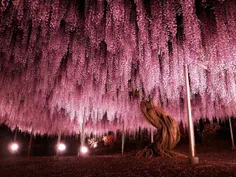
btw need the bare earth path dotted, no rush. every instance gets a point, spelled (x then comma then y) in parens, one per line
(213, 162)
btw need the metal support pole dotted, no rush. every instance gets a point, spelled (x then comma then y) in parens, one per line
(152, 135)
(30, 142)
(141, 134)
(123, 140)
(58, 142)
(82, 134)
(15, 134)
(95, 135)
(193, 159)
(135, 134)
(231, 133)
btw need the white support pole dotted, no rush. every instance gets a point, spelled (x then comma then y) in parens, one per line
(141, 134)
(58, 142)
(152, 135)
(15, 136)
(193, 159)
(83, 132)
(134, 134)
(231, 133)
(123, 140)
(30, 142)
(16, 129)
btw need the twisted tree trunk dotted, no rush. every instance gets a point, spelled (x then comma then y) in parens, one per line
(168, 131)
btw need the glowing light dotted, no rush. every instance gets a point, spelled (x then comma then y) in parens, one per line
(95, 145)
(14, 147)
(93, 142)
(84, 150)
(61, 147)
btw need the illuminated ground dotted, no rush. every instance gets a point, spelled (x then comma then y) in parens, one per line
(217, 160)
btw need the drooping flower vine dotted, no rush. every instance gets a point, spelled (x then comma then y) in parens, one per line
(61, 61)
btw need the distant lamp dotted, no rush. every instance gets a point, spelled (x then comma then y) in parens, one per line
(14, 147)
(84, 150)
(61, 147)
(95, 145)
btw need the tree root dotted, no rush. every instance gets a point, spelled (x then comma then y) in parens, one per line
(148, 153)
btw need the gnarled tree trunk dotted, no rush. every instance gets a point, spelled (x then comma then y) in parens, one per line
(168, 131)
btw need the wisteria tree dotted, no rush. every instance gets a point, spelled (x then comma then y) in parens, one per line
(65, 62)
(167, 128)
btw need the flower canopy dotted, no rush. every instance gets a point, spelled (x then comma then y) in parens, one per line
(65, 62)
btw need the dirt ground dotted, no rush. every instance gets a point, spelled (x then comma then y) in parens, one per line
(215, 160)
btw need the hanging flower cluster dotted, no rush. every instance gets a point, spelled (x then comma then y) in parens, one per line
(66, 62)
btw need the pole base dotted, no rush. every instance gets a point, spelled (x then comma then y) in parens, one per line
(194, 160)
(233, 147)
